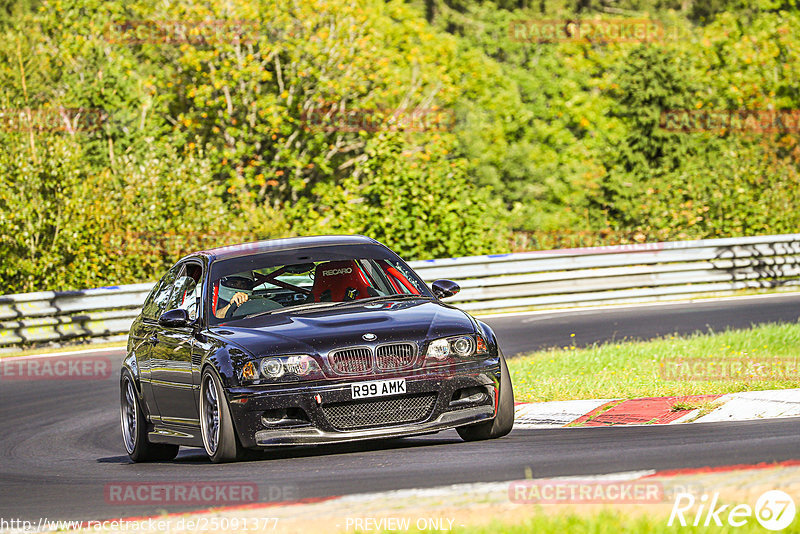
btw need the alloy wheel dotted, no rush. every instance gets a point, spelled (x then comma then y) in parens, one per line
(210, 415)
(128, 415)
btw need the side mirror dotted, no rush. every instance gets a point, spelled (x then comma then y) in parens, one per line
(445, 288)
(176, 317)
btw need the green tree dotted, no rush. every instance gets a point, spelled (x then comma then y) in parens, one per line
(418, 201)
(650, 83)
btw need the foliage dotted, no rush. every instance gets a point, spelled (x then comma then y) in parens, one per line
(168, 127)
(207, 139)
(38, 195)
(62, 225)
(650, 82)
(413, 201)
(675, 185)
(532, 137)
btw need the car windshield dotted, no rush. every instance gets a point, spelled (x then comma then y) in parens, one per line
(326, 278)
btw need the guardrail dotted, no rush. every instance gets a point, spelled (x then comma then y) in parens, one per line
(551, 278)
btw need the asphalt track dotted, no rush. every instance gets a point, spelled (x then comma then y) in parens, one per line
(61, 452)
(527, 332)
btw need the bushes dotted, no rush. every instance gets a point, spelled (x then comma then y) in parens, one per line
(64, 225)
(209, 141)
(418, 202)
(572, 142)
(40, 233)
(667, 185)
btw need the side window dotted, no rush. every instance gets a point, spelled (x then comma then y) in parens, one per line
(192, 301)
(157, 300)
(186, 290)
(400, 279)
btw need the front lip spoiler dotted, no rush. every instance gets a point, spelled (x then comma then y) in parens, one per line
(315, 436)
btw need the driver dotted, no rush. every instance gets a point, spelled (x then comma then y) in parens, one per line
(232, 290)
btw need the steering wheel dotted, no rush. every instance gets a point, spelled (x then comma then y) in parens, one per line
(232, 308)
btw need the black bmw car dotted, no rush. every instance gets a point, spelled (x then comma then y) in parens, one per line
(304, 341)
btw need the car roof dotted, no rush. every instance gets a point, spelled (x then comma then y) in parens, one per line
(275, 245)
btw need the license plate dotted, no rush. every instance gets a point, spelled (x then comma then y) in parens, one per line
(378, 388)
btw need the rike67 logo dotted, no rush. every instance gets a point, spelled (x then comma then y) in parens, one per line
(774, 510)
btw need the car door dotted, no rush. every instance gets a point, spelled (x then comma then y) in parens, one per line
(171, 356)
(144, 334)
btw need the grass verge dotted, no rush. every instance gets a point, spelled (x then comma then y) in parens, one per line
(606, 522)
(639, 369)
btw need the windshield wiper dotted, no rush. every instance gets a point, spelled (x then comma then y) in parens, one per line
(313, 305)
(292, 308)
(396, 296)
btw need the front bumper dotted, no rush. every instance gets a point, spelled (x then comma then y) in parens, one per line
(250, 404)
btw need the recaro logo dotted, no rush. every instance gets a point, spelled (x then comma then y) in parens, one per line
(334, 272)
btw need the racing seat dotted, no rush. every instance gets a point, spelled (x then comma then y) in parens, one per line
(338, 281)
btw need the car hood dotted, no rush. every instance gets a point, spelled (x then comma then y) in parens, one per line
(319, 331)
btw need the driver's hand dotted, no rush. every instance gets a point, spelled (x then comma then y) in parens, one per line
(239, 299)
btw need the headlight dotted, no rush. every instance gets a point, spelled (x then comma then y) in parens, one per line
(463, 346)
(300, 365)
(439, 349)
(282, 369)
(442, 349)
(271, 368)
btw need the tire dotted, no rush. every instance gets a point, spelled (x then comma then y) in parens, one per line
(134, 427)
(216, 424)
(503, 421)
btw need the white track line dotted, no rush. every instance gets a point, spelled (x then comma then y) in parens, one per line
(590, 309)
(486, 487)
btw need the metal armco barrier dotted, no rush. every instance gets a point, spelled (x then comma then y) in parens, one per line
(55, 316)
(552, 278)
(623, 273)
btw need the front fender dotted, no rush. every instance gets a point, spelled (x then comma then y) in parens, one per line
(131, 364)
(490, 337)
(227, 360)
